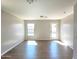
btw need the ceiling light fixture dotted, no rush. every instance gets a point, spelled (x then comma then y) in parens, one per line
(30, 1)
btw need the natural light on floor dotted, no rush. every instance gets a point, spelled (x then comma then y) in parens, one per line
(65, 44)
(53, 49)
(31, 43)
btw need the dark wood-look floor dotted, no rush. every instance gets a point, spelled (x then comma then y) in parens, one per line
(43, 50)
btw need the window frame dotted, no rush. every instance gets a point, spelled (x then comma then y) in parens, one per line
(30, 29)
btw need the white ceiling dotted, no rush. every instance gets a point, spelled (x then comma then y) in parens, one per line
(53, 9)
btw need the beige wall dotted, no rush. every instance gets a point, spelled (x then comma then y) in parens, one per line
(42, 29)
(12, 31)
(67, 30)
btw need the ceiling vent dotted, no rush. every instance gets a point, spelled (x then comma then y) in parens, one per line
(43, 16)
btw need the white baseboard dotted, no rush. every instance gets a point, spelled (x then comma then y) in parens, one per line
(17, 43)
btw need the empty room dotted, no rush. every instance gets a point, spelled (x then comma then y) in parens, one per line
(38, 29)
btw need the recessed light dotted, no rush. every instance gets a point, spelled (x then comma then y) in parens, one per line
(64, 12)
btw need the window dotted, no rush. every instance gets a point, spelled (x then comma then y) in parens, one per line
(54, 31)
(30, 28)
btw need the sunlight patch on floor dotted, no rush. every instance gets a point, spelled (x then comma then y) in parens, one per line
(31, 43)
(53, 49)
(61, 43)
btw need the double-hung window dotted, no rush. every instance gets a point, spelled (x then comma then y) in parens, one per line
(30, 29)
(54, 31)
